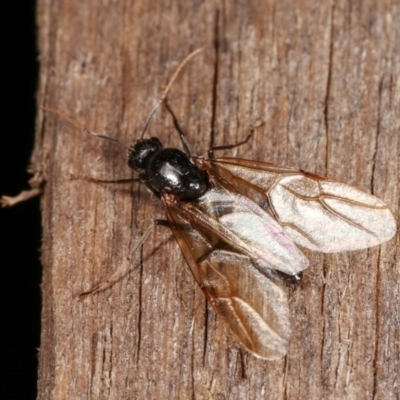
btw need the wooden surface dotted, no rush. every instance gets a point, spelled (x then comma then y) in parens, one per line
(323, 79)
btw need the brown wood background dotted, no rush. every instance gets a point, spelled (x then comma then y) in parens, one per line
(323, 77)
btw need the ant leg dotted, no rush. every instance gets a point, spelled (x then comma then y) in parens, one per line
(229, 146)
(185, 144)
(125, 268)
(94, 180)
(162, 222)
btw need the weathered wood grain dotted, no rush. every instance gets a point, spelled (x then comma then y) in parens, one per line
(323, 77)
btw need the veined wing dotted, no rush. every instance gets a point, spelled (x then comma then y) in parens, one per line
(252, 304)
(229, 220)
(315, 212)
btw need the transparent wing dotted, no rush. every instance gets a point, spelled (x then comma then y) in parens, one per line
(315, 212)
(253, 306)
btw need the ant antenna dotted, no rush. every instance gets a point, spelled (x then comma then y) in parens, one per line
(162, 98)
(168, 87)
(83, 128)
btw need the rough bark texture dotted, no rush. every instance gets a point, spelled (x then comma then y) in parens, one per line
(322, 76)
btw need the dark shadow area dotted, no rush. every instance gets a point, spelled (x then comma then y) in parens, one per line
(20, 227)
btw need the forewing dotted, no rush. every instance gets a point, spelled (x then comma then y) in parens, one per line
(230, 220)
(254, 307)
(315, 212)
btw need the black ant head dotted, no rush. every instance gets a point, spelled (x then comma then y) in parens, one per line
(142, 152)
